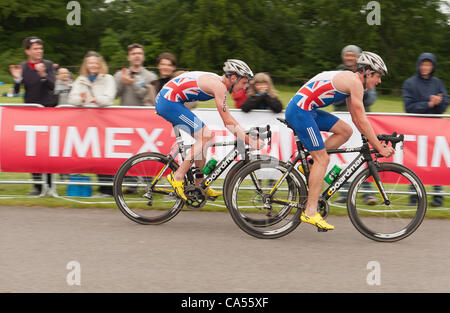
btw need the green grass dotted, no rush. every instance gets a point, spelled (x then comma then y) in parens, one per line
(20, 198)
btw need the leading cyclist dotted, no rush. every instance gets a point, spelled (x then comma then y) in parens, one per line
(303, 115)
(202, 86)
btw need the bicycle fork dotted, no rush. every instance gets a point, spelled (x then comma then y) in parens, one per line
(376, 178)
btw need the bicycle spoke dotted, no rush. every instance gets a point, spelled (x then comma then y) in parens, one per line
(264, 204)
(142, 191)
(393, 221)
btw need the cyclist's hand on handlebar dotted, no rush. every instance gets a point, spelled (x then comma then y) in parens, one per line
(386, 150)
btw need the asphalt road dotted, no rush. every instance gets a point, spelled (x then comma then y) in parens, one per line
(52, 249)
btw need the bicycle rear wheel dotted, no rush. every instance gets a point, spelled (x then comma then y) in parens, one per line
(381, 222)
(251, 208)
(142, 191)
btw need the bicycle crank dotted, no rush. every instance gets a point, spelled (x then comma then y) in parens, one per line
(196, 197)
(322, 207)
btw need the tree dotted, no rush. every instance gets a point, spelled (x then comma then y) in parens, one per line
(290, 39)
(112, 51)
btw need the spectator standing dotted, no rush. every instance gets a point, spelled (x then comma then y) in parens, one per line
(133, 82)
(38, 77)
(63, 85)
(95, 87)
(349, 55)
(261, 95)
(166, 63)
(36, 74)
(425, 94)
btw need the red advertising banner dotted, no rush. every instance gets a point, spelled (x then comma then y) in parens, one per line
(78, 140)
(426, 148)
(91, 140)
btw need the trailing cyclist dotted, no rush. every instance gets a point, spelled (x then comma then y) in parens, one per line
(202, 86)
(307, 120)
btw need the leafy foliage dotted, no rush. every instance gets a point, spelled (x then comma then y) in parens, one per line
(291, 39)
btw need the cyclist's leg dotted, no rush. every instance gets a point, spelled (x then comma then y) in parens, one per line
(315, 181)
(316, 175)
(331, 123)
(305, 126)
(195, 155)
(183, 118)
(341, 133)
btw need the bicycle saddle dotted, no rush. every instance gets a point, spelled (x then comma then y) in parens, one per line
(282, 120)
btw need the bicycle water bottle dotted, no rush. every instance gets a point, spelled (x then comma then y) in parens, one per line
(209, 166)
(333, 174)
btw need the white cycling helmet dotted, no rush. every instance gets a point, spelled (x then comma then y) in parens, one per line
(372, 60)
(238, 67)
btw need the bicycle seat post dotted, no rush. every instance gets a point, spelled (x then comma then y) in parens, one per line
(179, 141)
(364, 139)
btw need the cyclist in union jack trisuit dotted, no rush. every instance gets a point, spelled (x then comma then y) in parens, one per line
(201, 86)
(303, 115)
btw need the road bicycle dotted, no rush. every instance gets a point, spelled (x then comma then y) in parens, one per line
(391, 217)
(143, 194)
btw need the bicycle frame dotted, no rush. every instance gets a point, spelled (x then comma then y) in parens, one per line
(239, 149)
(365, 156)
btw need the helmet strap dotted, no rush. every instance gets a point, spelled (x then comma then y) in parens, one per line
(233, 84)
(364, 83)
(365, 75)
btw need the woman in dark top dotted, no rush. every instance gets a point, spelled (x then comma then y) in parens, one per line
(261, 95)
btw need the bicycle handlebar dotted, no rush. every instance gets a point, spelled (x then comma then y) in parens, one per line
(262, 132)
(394, 139)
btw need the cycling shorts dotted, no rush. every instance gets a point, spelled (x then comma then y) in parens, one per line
(308, 124)
(177, 114)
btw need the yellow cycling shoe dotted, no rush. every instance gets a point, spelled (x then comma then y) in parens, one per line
(213, 193)
(316, 220)
(178, 186)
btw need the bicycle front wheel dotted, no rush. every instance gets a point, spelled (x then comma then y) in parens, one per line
(387, 222)
(142, 191)
(251, 207)
(236, 167)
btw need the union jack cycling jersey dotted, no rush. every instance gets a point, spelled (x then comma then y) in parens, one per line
(318, 92)
(184, 88)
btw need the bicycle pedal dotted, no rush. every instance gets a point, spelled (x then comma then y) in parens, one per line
(211, 198)
(321, 230)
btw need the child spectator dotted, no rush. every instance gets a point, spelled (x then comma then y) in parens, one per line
(63, 85)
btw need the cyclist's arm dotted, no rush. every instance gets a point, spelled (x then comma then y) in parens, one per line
(358, 113)
(216, 88)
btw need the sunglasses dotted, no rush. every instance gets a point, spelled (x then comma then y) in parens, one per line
(32, 41)
(93, 54)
